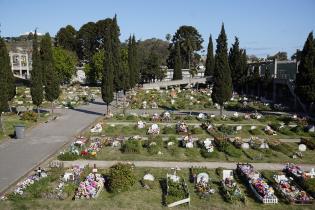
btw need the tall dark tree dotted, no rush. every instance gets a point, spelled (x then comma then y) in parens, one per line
(36, 76)
(130, 64)
(66, 38)
(135, 57)
(52, 83)
(243, 71)
(210, 59)
(107, 87)
(87, 42)
(222, 87)
(118, 73)
(305, 78)
(6, 80)
(235, 63)
(190, 42)
(177, 74)
(134, 72)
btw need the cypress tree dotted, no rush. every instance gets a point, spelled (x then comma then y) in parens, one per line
(132, 76)
(36, 76)
(210, 59)
(305, 78)
(135, 59)
(235, 63)
(52, 88)
(5, 80)
(243, 71)
(107, 88)
(177, 73)
(222, 87)
(118, 74)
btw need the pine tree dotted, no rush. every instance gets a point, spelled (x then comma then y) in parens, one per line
(5, 80)
(222, 88)
(107, 88)
(52, 84)
(177, 73)
(210, 59)
(36, 76)
(305, 78)
(118, 74)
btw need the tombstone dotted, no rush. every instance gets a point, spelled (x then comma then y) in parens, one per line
(238, 128)
(311, 129)
(245, 146)
(253, 127)
(203, 177)
(20, 109)
(148, 177)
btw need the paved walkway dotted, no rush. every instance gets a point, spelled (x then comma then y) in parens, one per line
(18, 157)
(166, 164)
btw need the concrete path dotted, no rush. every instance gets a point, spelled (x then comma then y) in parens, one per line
(166, 164)
(18, 157)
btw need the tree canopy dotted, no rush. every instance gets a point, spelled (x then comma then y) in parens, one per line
(210, 59)
(66, 38)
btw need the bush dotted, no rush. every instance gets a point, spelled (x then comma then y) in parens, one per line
(192, 152)
(67, 156)
(121, 177)
(29, 116)
(197, 130)
(236, 119)
(204, 153)
(228, 130)
(173, 150)
(297, 129)
(169, 130)
(233, 151)
(188, 117)
(131, 146)
(131, 117)
(154, 149)
(275, 126)
(255, 132)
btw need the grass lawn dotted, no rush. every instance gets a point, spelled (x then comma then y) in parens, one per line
(10, 120)
(139, 198)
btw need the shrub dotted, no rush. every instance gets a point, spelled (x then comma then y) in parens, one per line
(236, 119)
(188, 117)
(169, 130)
(29, 116)
(233, 151)
(297, 129)
(131, 146)
(67, 156)
(173, 150)
(192, 152)
(275, 126)
(197, 130)
(204, 153)
(255, 132)
(226, 129)
(131, 117)
(121, 177)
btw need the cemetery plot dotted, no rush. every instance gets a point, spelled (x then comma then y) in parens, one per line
(140, 187)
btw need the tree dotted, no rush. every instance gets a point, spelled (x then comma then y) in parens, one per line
(222, 87)
(305, 78)
(243, 71)
(52, 84)
(107, 88)
(65, 62)
(178, 64)
(6, 80)
(87, 42)
(210, 59)
(125, 68)
(66, 38)
(133, 61)
(36, 76)
(94, 69)
(297, 55)
(235, 63)
(189, 40)
(118, 73)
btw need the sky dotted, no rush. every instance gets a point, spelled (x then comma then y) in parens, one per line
(262, 26)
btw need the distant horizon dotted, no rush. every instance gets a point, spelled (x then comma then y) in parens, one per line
(263, 27)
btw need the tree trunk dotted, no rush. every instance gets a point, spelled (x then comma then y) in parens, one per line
(52, 110)
(106, 108)
(1, 124)
(38, 112)
(10, 107)
(117, 98)
(221, 110)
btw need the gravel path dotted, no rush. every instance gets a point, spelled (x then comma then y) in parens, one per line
(166, 164)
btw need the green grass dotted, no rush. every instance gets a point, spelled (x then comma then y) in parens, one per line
(10, 120)
(139, 198)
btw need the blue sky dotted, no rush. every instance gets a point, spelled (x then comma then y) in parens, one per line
(263, 26)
